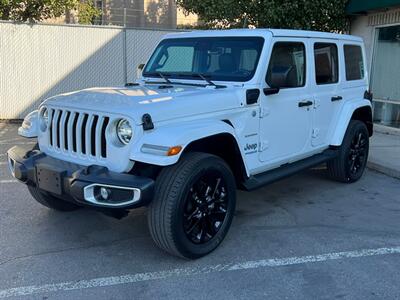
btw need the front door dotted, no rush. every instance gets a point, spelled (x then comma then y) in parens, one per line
(286, 117)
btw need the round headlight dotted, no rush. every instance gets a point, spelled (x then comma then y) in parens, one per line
(124, 131)
(44, 118)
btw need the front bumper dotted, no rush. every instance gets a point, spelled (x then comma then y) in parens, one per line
(79, 184)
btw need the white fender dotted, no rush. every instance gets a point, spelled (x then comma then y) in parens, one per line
(181, 134)
(344, 119)
(30, 126)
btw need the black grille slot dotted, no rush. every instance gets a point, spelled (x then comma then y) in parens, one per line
(51, 115)
(103, 137)
(58, 129)
(93, 136)
(66, 130)
(83, 133)
(76, 115)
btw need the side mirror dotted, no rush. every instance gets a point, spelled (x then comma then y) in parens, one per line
(139, 70)
(271, 91)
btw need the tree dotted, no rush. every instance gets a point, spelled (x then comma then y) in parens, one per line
(87, 12)
(39, 10)
(325, 15)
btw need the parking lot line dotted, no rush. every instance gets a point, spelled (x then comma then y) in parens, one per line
(8, 181)
(176, 273)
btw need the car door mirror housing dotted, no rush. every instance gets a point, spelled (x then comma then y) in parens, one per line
(271, 91)
(139, 70)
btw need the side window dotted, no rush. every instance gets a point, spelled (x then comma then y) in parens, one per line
(326, 63)
(287, 66)
(354, 62)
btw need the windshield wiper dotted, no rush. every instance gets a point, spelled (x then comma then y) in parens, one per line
(183, 75)
(204, 77)
(161, 75)
(164, 77)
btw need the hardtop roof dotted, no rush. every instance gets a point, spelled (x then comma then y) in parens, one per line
(264, 32)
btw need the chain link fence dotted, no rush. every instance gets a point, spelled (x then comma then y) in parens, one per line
(39, 61)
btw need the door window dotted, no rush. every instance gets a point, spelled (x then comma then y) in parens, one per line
(354, 62)
(287, 66)
(326, 63)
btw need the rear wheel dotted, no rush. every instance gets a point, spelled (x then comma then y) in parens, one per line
(193, 205)
(353, 154)
(50, 201)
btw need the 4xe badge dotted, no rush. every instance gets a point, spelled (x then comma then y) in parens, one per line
(250, 148)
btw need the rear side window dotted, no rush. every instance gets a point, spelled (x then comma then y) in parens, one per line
(287, 66)
(326, 63)
(354, 62)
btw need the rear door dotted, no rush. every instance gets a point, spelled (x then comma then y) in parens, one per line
(327, 90)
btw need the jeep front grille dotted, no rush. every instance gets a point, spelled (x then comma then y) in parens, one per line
(77, 132)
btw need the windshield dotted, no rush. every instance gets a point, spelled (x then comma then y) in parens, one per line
(217, 58)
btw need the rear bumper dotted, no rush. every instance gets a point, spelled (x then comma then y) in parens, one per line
(79, 184)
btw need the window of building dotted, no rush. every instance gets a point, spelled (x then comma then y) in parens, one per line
(287, 66)
(385, 76)
(354, 62)
(326, 63)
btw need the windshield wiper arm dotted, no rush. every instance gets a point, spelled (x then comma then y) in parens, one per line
(202, 76)
(206, 79)
(164, 77)
(161, 75)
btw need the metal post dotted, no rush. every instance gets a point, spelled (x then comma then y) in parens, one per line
(102, 12)
(124, 52)
(125, 17)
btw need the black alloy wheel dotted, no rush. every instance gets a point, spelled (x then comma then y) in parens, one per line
(205, 208)
(193, 205)
(358, 153)
(352, 158)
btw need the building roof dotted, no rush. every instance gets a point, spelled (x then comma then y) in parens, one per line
(264, 33)
(360, 6)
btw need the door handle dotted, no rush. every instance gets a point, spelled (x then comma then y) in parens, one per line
(305, 103)
(336, 98)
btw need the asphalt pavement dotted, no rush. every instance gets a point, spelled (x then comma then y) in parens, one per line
(305, 237)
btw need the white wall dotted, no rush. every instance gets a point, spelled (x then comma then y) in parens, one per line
(365, 27)
(359, 27)
(39, 61)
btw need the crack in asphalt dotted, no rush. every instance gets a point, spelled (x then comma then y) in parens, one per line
(105, 244)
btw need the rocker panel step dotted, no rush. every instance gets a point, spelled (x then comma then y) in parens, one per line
(262, 179)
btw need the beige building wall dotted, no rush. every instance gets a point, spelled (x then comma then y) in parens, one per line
(145, 13)
(162, 14)
(186, 20)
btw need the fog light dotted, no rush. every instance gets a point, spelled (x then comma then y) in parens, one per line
(105, 193)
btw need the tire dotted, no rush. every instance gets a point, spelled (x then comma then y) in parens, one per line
(193, 205)
(51, 202)
(350, 164)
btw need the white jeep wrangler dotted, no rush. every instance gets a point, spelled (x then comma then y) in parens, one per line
(213, 111)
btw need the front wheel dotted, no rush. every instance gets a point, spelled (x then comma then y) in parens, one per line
(193, 205)
(353, 154)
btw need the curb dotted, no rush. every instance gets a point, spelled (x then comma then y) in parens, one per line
(386, 129)
(383, 169)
